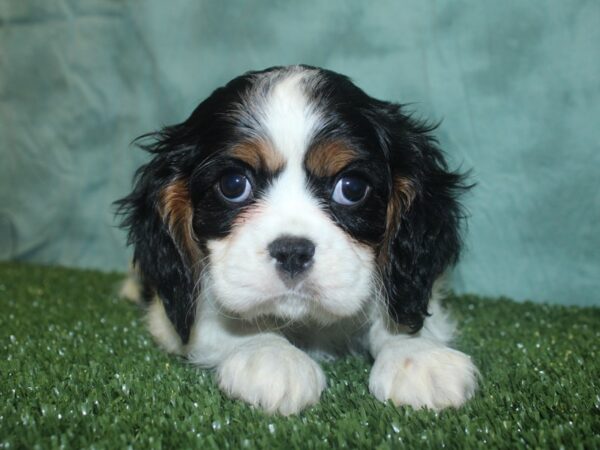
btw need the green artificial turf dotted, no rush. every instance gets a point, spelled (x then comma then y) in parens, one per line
(78, 369)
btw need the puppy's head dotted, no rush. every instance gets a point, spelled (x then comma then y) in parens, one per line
(291, 193)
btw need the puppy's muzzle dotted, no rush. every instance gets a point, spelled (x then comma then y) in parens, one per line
(293, 255)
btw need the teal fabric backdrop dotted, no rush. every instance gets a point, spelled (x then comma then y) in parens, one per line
(515, 83)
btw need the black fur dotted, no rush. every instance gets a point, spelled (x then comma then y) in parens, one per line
(162, 265)
(427, 239)
(389, 143)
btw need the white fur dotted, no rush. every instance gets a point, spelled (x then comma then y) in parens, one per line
(423, 374)
(250, 324)
(253, 361)
(130, 289)
(289, 119)
(270, 373)
(420, 370)
(162, 329)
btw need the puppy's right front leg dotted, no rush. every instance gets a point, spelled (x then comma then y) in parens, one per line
(261, 368)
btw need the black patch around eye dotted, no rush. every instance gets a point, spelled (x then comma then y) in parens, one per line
(366, 220)
(213, 186)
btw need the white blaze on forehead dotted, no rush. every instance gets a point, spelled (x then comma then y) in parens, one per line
(290, 121)
(288, 116)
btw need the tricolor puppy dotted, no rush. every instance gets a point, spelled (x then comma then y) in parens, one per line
(292, 217)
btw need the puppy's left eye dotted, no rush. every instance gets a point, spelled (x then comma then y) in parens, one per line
(350, 190)
(235, 187)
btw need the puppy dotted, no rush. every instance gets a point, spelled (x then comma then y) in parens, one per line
(292, 217)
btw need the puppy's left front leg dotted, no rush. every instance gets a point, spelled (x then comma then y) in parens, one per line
(263, 369)
(419, 370)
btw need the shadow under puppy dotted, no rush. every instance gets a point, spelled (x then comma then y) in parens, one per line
(293, 217)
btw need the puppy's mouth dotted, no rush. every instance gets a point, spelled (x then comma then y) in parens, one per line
(302, 290)
(297, 284)
(293, 302)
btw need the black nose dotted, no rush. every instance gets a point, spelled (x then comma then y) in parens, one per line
(293, 254)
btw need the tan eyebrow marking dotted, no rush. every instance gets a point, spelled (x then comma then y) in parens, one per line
(259, 155)
(329, 158)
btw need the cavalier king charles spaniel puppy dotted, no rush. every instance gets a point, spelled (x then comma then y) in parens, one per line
(292, 218)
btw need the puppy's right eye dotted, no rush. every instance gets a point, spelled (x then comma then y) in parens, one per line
(235, 187)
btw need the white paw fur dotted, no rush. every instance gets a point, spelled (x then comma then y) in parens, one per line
(423, 374)
(273, 375)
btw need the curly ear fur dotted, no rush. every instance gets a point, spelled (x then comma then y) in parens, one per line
(158, 214)
(422, 237)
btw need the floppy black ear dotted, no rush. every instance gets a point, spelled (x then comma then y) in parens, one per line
(423, 236)
(158, 215)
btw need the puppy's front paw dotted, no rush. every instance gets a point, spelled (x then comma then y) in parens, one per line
(275, 376)
(423, 375)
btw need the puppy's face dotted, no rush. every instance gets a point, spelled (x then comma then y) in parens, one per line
(291, 193)
(290, 213)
